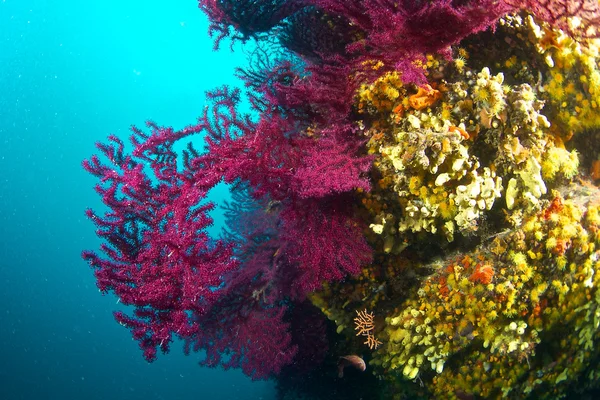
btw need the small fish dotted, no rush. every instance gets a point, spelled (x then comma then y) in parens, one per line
(354, 361)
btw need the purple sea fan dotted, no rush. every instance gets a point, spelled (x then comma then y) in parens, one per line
(243, 333)
(331, 165)
(248, 18)
(313, 34)
(396, 31)
(322, 242)
(158, 257)
(558, 13)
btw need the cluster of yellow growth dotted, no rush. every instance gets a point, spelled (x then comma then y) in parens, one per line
(494, 307)
(489, 94)
(557, 161)
(321, 300)
(383, 95)
(452, 309)
(367, 290)
(427, 168)
(425, 160)
(438, 184)
(519, 315)
(573, 84)
(514, 125)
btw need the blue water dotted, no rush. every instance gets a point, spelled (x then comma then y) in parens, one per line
(72, 72)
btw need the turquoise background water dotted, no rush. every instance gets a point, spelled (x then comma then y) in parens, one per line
(72, 72)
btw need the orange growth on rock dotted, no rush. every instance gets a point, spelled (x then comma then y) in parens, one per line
(555, 207)
(562, 245)
(399, 110)
(595, 170)
(462, 132)
(483, 274)
(425, 97)
(443, 287)
(398, 113)
(539, 308)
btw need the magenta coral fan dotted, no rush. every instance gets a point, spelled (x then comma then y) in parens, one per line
(558, 12)
(159, 259)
